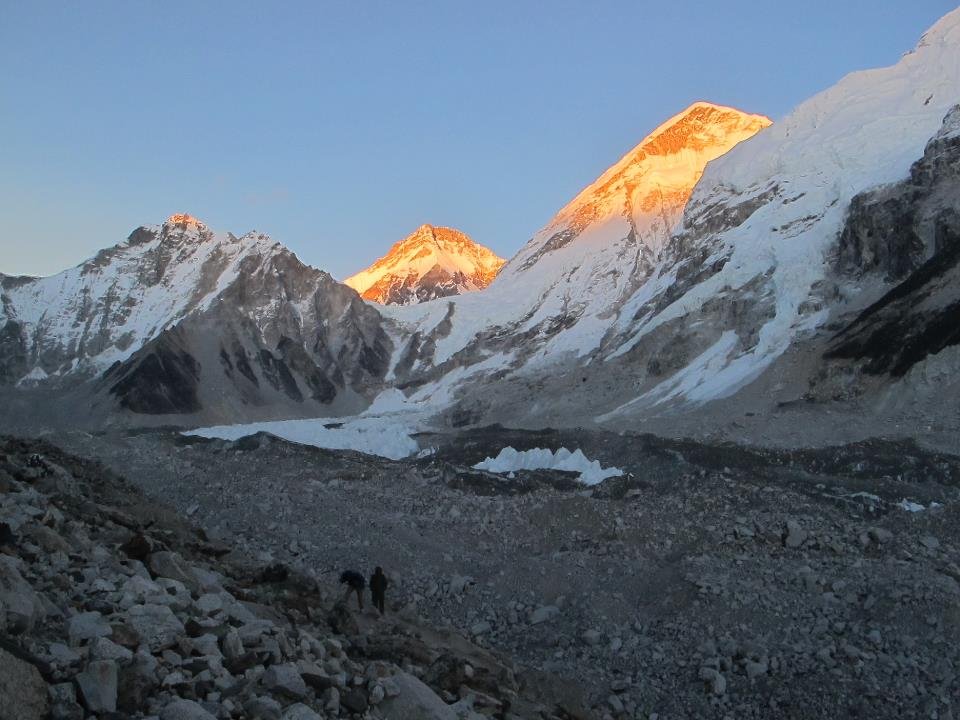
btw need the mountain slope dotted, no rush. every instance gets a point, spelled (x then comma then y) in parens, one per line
(429, 263)
(752, 269)
(626, 327)
(558, 293)
(181, 320)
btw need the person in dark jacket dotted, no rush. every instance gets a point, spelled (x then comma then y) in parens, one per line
(378, 589)
(355, 583)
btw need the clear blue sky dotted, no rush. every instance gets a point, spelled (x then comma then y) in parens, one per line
(338, 127)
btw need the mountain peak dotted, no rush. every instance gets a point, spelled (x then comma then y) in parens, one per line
(652, 182)
(185, 220)
(433, 261)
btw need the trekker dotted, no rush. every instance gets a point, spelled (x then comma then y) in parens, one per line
(378, 588)
(355, 583)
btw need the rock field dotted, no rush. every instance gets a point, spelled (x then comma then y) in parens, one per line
(710, 581)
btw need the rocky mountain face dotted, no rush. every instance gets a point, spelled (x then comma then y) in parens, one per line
(908, 235)
(181, 320)
(432, 262)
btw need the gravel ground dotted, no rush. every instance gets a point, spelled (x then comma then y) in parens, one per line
(711, 580)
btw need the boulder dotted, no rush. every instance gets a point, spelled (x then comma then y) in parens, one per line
(407, 698)
(158, 627)
(138, 547)
(181, 709)
(880, 535)
(793, 535)
(98, 686)
(137, 681)
(354, 701)
(715, 681)
(87, 626)
(341, 620)
(104, 649)
(285, 680)
(20, 603)
(313, 676)
(591, 637)
(209, 604)
(480, 628)
(166, 564)
(544, 614)
(262, 708)
(300, 712)
(459, 584)
(23, 693)
(63, 702)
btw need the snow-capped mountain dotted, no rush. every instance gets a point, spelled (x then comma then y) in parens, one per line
(753, 268)
(558, 294)
(720, 262)
(180, 319)
(615, 315)
(431, 262)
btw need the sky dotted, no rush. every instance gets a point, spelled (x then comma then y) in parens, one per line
(339, 127)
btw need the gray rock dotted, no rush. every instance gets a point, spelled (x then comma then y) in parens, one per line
(331, 703)
(716, 682)
(313, 676)
(756, 669)
(21, 689)
(62, 655)
(185, 710)
(591, 637)
(880, 535)
(615, 703)
(285, 680)
(544, 614)
(232, 645)
(20, 603)
(158, 627)
(98, 686)
(137, 681)
(62, 692)
(263, 708)
(480, 628)
(794, 536)
(209, 604)
(459, 584)
(929, 542)
(166, 564)
(87, 626)
(104, 649)
(300, 712)
(407, 698)
(354, 701)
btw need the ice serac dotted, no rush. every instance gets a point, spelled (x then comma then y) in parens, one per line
(431, 262)
(181, 320)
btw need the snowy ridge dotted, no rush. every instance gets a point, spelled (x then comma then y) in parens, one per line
(561, 288)
(429, 263)
(864, 132)
(105, 309)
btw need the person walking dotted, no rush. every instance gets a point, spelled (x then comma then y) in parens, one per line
(355, 583)
(378, 589)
